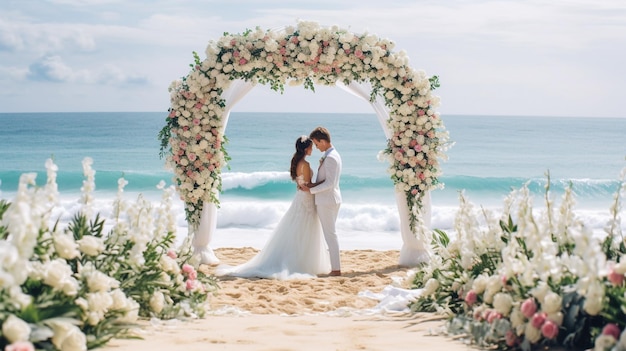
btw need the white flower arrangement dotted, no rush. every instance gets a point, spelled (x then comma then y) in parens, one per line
(541, 280)
(193, 138)
(75, 288)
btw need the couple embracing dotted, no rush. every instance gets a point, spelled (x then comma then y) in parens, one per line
(304, 243)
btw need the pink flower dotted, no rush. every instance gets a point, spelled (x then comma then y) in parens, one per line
(188, 268)
(538, 319)
(414, 192)
(196, 121)
(192, 157)
(171, 254)
(471, 297)
(191, 284)
(549, 329)
(182, 145)
(615, 278)
(236, 53)
(20, 346)
(172, 114)
(420, 112)
(422, 176)
(242, 61)
(529, 307)
(612, 330)
(493, 316)
(510, 338)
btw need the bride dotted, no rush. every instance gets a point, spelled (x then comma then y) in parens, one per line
(296, 248)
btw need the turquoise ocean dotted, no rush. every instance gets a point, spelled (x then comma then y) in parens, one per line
(491, 156)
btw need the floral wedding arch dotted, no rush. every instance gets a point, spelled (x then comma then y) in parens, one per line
(194, 135)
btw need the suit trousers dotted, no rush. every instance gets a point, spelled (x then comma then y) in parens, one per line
(328, 217)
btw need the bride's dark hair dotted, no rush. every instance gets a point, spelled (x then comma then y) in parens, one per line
(302, 143)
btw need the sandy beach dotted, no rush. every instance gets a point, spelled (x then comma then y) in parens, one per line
(324, 313)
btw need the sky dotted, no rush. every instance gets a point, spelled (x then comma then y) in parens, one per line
(500, 57)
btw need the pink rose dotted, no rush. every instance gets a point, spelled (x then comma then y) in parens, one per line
(172, 254)
(538, 319)
(612, 330)
(549, 329)
(615, 278)
(188, 268)
(420, 112)
(195, 120)
(242, 61)
(529, 307)
(236, 53)
(493, 316)
(471, 297)
(20, 346)
(172, 114)
(191, 284)
(414, 192)
(182, 145)
(510, 338)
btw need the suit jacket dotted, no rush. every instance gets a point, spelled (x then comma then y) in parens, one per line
(329, 171)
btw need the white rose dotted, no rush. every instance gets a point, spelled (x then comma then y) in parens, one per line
(479, 284)
(494, 284)
(91, 245)
(503, 302)
(552, 303)
(157, 301)
(593, 305)
(431, 286)
(532, 334)
(15, 329)
(556, 317)
(517, 318)
(604, 342)
(540, 291)
(622, 341)
(67, 337)
(65, 246)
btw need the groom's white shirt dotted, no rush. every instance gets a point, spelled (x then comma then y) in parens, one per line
(329, 171)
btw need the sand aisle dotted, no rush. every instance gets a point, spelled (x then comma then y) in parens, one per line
(325, 313)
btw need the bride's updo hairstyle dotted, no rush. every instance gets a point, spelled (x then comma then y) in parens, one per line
(302, 143)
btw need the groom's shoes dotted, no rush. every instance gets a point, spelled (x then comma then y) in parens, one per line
(334, 273)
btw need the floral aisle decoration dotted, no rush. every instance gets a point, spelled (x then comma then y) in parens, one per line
(528, 278)
(193, 140)
(75, 287)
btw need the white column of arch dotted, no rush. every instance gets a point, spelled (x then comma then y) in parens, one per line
(203, 233)
(415, 249)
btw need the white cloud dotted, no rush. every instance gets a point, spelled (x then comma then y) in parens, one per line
(54, 69)
(490, 54)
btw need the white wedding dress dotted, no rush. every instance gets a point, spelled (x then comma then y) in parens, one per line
(295, 250)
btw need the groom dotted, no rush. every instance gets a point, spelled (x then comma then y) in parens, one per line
(327, 193)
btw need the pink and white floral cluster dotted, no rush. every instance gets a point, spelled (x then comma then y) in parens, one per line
(306, 54)
(529, 277)
(74, 287)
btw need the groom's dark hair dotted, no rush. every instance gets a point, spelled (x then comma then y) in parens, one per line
(320, 133)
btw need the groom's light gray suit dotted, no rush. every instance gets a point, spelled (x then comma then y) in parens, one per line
(328, 200)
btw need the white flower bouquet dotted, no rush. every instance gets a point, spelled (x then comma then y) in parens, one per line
(530, 278)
